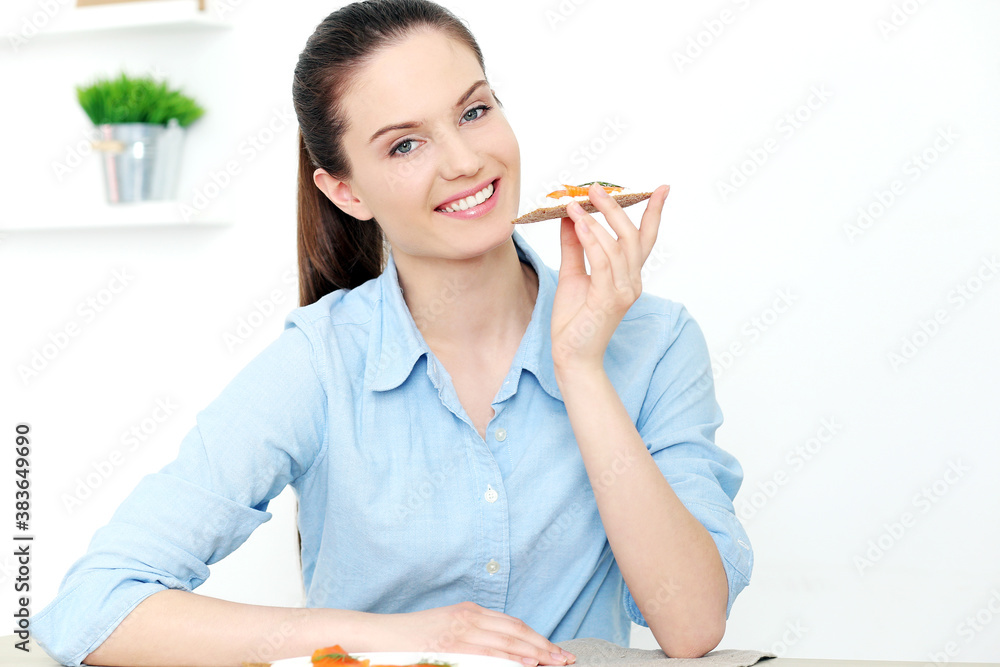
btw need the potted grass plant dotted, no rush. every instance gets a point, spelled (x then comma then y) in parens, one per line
(141, 124)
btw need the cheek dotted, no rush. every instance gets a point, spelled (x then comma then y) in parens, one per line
(512, 149)
(405, 176)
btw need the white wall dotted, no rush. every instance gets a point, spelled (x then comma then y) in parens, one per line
(854, 298)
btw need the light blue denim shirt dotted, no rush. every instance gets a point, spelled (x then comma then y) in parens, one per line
(402, 505)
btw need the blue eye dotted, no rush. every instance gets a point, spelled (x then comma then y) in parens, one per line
(402, 143)
(396, 150)
(483, 107)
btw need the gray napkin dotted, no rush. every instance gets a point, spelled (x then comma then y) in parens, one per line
(593, 652)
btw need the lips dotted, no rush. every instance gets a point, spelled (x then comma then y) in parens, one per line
(465, 193)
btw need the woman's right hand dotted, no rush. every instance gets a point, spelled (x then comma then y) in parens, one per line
(467, 627)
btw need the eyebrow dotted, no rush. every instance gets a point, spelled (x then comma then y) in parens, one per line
(413, 124)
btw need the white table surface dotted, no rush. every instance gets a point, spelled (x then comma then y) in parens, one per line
(36, 657)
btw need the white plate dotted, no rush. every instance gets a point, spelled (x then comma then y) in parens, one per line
(410, 657)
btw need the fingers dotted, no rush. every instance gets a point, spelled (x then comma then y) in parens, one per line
(513, 638)
(625, 255)
(649, 225)
(610, 270)
(477, 649)
(571, 262)
(624, 228)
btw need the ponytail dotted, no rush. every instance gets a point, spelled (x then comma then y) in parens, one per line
(335, 250)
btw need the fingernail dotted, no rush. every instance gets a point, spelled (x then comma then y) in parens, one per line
(558, 657)
(601, 192)
(530, 662)
(572, 658)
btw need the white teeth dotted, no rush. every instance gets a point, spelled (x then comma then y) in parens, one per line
(471, 200)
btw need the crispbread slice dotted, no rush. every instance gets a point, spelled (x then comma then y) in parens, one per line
(550, 212)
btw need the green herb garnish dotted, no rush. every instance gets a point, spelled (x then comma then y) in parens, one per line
(335, 656)
(609, 185)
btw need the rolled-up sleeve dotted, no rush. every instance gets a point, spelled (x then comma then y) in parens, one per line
(677, 422)
(263, 431)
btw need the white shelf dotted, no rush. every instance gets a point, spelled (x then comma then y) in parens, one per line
(138, 215)
(132, 15)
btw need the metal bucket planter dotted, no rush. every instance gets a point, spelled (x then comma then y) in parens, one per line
(141, 160)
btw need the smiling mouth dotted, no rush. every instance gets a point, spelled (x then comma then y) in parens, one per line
(470, 201)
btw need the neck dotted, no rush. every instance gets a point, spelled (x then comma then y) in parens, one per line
(483, 303)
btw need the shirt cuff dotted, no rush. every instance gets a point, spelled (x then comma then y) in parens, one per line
(164, 535)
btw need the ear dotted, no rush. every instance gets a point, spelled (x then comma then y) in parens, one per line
(340, 193)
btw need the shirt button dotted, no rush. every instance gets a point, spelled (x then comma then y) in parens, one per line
(492, 567)
(491, 495)
(501, 434)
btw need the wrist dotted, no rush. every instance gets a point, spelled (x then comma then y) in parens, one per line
(571, 373)
(355, 631)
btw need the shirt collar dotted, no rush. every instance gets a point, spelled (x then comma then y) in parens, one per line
(396, 343)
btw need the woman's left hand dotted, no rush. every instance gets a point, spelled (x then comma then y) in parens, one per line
(587, 309)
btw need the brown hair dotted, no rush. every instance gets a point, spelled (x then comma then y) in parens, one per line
(336, 250)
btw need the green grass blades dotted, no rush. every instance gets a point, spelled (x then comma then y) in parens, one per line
(128, 99)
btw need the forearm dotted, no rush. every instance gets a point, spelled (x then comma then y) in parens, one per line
(175, 627)
(667, 558)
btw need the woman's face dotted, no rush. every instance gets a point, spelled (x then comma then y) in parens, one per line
(453, 145)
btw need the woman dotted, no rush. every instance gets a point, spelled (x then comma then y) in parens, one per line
(488, 457)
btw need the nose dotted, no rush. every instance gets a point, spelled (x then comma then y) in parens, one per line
(460, 157)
